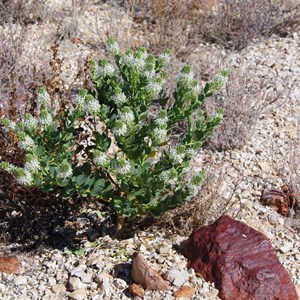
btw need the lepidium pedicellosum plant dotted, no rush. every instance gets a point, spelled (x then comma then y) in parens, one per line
(126, 158)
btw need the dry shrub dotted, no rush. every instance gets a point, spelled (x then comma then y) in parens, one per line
(204, 209)
(244, 99)
(236, 23)
(181, 25)
(22, 11)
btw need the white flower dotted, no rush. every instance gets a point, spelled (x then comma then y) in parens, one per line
(43, 98)
(149, 74)
(159, 134)
(7, 166)
(175, 156)
(26, 143)
(126, 115)
(161, 118)
(134, 62)
(186, 78)
(119, 99)
(8, 124)
(194, 189)
(45, 118)
(24, 177)
(191, 152)
(99, 158)
(120, 128)
(79, 101)
(92, 107)
(154, 88)
(31, 122)
(113, 47)
(32, 164)
(123, 167)
(169, 177)
(165, 57)
(106, 70)
(64, 170)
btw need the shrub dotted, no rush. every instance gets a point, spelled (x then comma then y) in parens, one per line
(113, 141)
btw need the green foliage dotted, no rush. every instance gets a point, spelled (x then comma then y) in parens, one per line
(114, 142)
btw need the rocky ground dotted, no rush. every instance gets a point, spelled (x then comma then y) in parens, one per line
(101, 269)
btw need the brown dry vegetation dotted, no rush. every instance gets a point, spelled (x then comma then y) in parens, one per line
(233, 25)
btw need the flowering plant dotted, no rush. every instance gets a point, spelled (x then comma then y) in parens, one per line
(114, 142)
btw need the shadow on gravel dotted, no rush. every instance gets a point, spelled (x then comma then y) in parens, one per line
(30, 219)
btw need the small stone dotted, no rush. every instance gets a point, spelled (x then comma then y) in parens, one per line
(213, 293)
(76, 284)
(178, 278)
(136, 290)
(78, 294)
(273, 218)
(120, 284)
(287, 247)
(184, 292)
(9, 265)
(78, 271)
(58, 288)
(87, 277)
(20, 280)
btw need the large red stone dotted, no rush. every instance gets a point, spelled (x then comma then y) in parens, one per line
(240, 261)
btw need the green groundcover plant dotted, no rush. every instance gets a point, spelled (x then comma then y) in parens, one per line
(113, 141)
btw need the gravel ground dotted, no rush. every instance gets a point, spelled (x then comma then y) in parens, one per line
(101, 271)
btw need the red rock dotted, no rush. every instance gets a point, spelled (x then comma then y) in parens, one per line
(146, 276)
(136, 290)
(184, 292)
(240, 261)
(279, 200)
(9, 265)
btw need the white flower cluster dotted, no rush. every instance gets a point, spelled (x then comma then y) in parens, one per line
(176, 155)
(8, 167)
(79, 101)
(106, 70)
(170, 177)
(64, 171)
(92, 107)
(120, 128)
(32, 164)
(113, 47)
(159, 134)
(123, 166)
(154, 88)
(119, 98)
(161, 118)
(165, 57)
(186, 78)
(43, 98)
(26, 142)
(126, 115)
(24, 177)
(99, 158)
(31, 123)
(8, 125)
(45, 118)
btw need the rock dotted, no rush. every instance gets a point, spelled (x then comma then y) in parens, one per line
(9, 265)
(184, 292)
(136, 290)
(76, 284)
(20, 280)
(279, 200)
(146, 276)
(58, 288)
(240, 261)
(273, 218)
(87, 277)
(178, 278)
(120, 283)
(78, 294)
